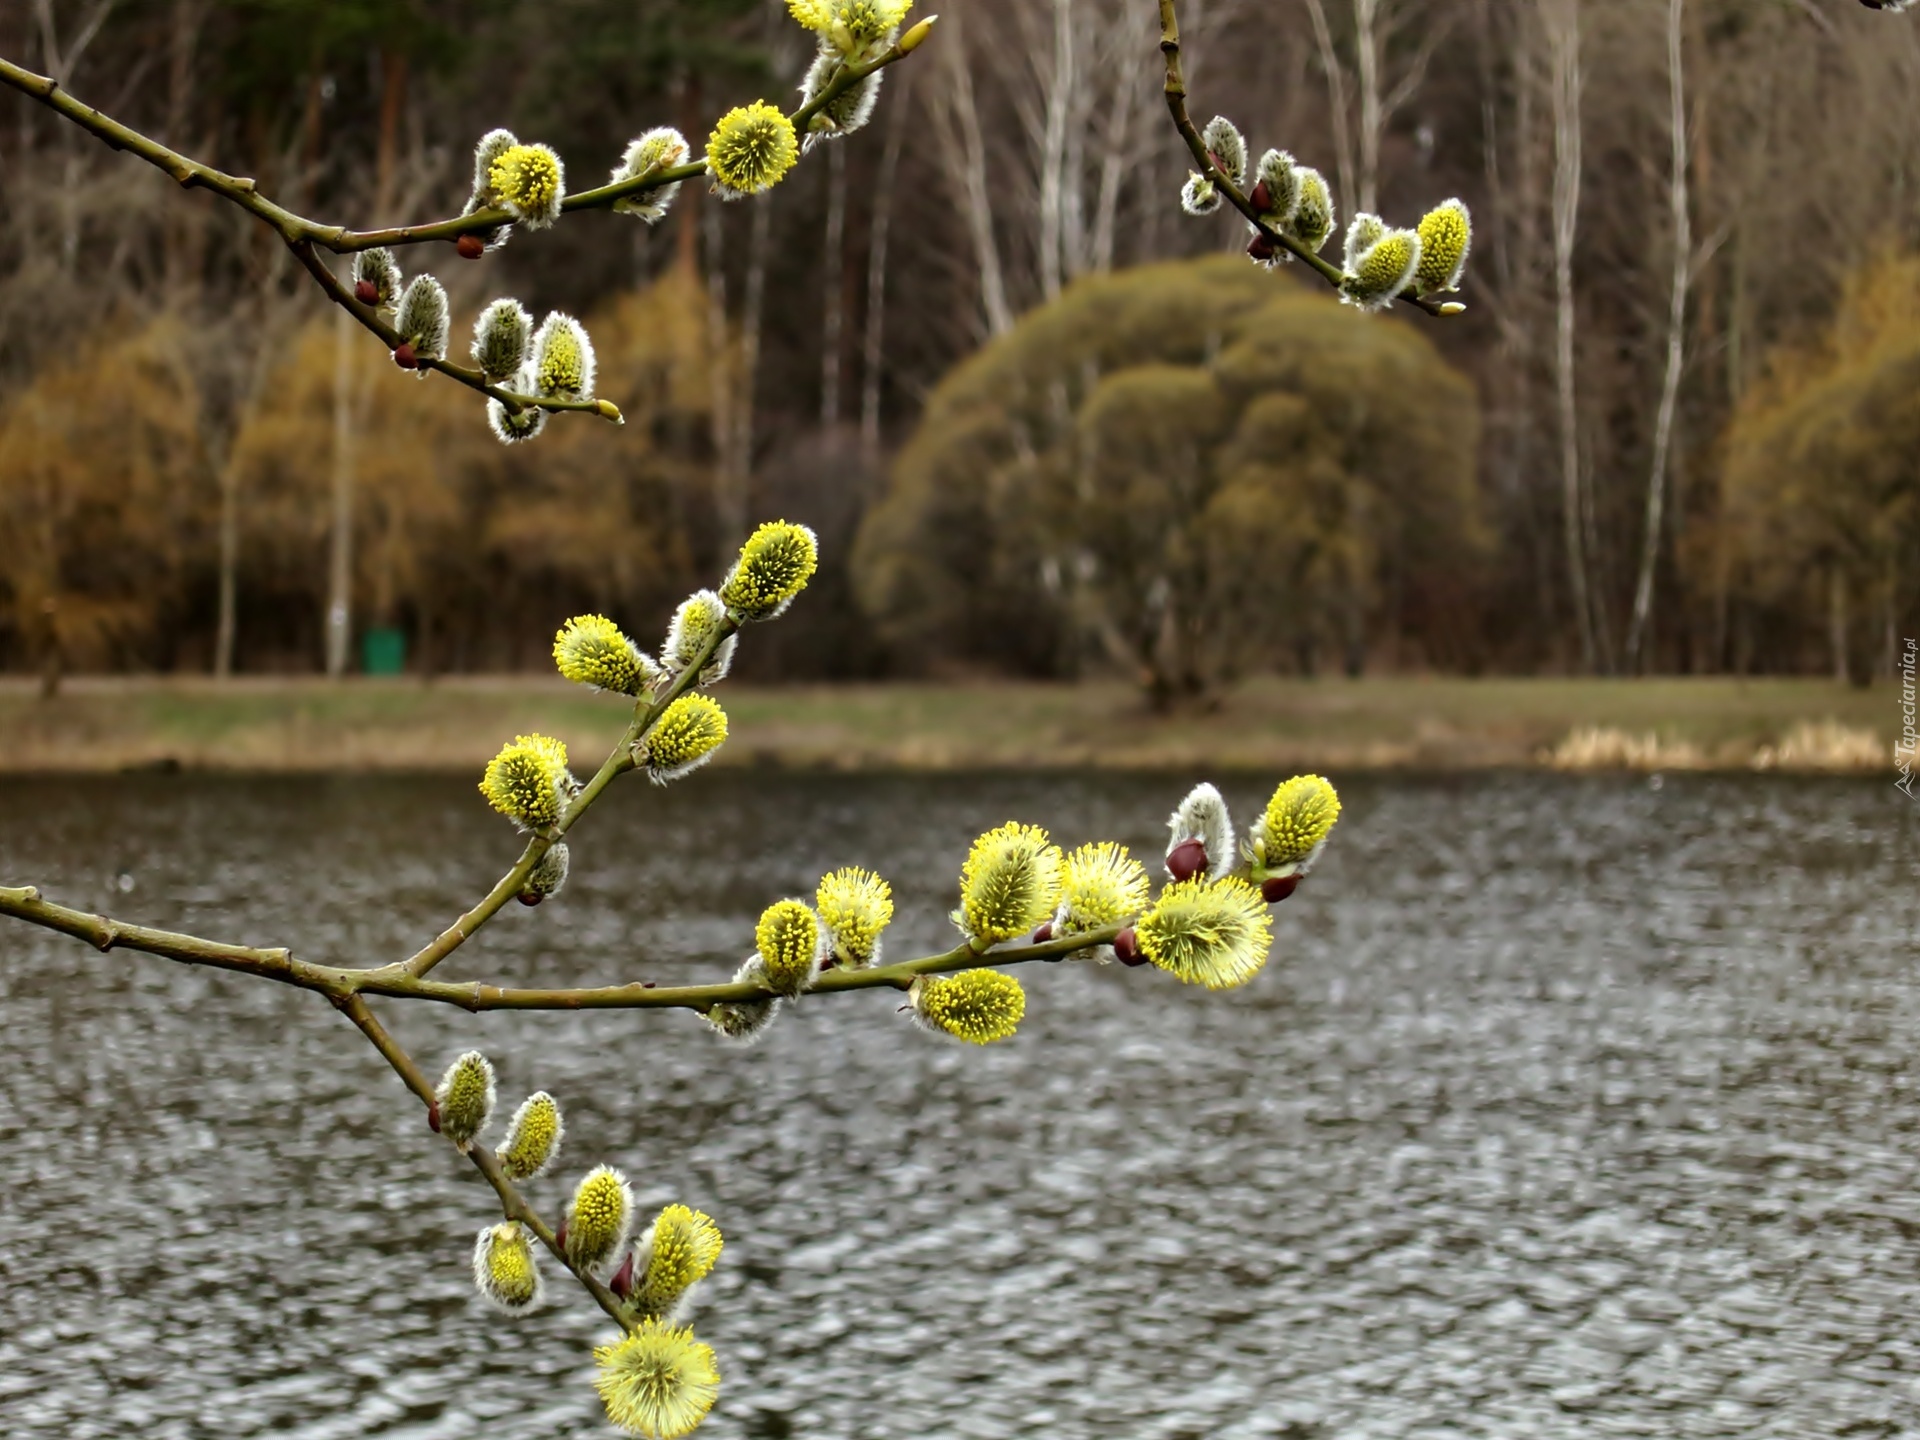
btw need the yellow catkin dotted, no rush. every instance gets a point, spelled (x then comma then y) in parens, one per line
(592, 650)
(530, 182)
(751, 149)
(788, 941)
(599, 1217)
(1214, 933)
(1009, 884)
(774, 566)
(1296, 822)
(533, 1137)
(686, 1245)
(977, 1006)
(1446, 233)
(464, 1098)
(856, 905)
(1101, 885)
(686, 735)
(657, 1381)
(504, 1269)
(527, 781)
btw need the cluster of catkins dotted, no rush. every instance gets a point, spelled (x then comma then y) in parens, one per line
(656, 1380)
(529, 782)
(1293, 201)
(751, 149)
(551, 362)
(1209, 925)
(851, 32)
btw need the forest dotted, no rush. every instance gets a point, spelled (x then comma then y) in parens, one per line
(1043, 422)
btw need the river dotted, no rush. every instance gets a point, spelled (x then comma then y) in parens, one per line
(1567, 1107)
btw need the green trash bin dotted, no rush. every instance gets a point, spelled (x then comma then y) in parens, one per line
(383, 651)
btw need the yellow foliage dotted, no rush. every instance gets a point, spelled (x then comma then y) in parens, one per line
(1189, 467)
(447, 516)
(1821, 488)
(100, 465)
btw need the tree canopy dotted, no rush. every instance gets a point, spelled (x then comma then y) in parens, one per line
(1822, 478)
(1191, 470)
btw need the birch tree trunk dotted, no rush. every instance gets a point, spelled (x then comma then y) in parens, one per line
(1053, 150)
(752, 309)
(1676, 340)
(729, 511)
(833, 284)
(1117, 145)
(959, 120)
(1563, 38)
(873, 342)
(1336, 104)
(1366, 43)
(339, 619)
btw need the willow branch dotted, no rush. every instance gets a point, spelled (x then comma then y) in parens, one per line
(646, 995)
(335, 290)
(1176, 92)
(513, 1204)
(26, 903)
(621, 759)
(307, 237)
(397, 982)
(603, 197)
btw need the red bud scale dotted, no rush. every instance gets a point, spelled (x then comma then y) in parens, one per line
(1276, 888)
(1187, 859)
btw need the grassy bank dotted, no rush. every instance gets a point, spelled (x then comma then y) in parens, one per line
(299, 724)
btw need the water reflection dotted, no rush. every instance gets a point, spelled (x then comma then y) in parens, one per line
(1568, 1108)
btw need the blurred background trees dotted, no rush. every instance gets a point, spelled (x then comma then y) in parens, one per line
(1187, 470)
(196, 471)
(1822, 478)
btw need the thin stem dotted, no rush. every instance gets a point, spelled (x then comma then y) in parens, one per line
(620, 759)
(396, 982)
(25, 903)
(1176, 92)
(513, 1205)
(645, 995)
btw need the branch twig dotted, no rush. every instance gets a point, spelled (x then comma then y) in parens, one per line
(513, 1205)
(396, 982)
(1176, 92)
(307, 237)
(619, 760)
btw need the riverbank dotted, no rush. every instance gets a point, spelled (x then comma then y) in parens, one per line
(280, 724)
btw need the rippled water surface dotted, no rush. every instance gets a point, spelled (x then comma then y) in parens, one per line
(1566, 1108)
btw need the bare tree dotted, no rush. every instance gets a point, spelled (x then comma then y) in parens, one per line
(1676, 335)
(1563, 40)
(1377, 25)
(873, 341)
(956, 117)
(833, 284)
